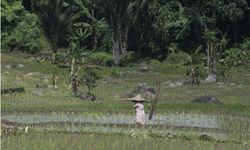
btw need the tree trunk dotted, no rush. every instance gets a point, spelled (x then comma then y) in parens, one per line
(54, 78)
(71, 73)
(94, 40)
(125, 45)
(211, 58)
(94, 29)
(208, 57)
(116, 51)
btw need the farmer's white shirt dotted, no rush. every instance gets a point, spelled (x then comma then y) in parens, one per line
(140, 114)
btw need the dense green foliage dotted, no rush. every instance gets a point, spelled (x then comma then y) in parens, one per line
(26, 36)
(148, 28)
(20, 29)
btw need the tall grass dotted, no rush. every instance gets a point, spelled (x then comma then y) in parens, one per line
(65, 141)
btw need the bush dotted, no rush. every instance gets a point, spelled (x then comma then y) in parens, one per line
(154, 62)
(234, 57)
(245, 46)
(26, 36)
(131, 56)
(116, 73)
(179, 57)
(101, 58)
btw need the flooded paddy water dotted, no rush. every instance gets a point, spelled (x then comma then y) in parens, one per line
(170, 125)
(164, 120)
(189, 120)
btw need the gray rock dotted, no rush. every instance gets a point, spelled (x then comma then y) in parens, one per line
(46, 80)
(109, 80)
(38, 92)
(175, 83)
(143, 88)
(86, 96)
(206, 99)
(187, 82)
(35, 74)
(31, 59)
(11, 65)
(18, 81)
(32, 73)
(211, 78)
(232, 84)
(19, 65)
(128, 95)
(144, 68)
(40, 85)
(8, 66)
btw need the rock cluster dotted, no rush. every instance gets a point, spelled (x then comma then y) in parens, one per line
(206, 99)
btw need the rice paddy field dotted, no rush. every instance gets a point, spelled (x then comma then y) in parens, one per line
(55, 119)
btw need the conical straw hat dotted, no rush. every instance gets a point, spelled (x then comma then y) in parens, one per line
(137, 98)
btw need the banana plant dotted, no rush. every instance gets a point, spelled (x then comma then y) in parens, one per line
(78, 57)
(95, 25)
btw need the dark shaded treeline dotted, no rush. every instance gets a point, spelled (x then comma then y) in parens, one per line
(154, 31)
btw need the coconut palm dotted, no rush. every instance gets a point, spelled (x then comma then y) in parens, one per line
(120, 15)
(57, 18)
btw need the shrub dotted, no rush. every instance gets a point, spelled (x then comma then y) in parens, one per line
(116, 73)
(101, 58)
(26, 36)
(179, 57)
(132, 56)
(245, 46)
(153, 62)
(234, 57)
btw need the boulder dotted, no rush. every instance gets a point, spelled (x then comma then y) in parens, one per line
(40, 85)
(128, 95)
(38, 92)
(211, 78)
(144, 68)
(8, 66)
(45, 80)
(86, 96)
(188, 82)
(19, 65)
(206, 99)
(12, 65)
(143, 88)
(109, 80)
(35, 74)
(175, 83)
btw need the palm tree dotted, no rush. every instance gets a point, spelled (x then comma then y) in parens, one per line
(120, 15)
(57, 18)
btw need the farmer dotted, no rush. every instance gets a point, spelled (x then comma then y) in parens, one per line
(139, 109)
